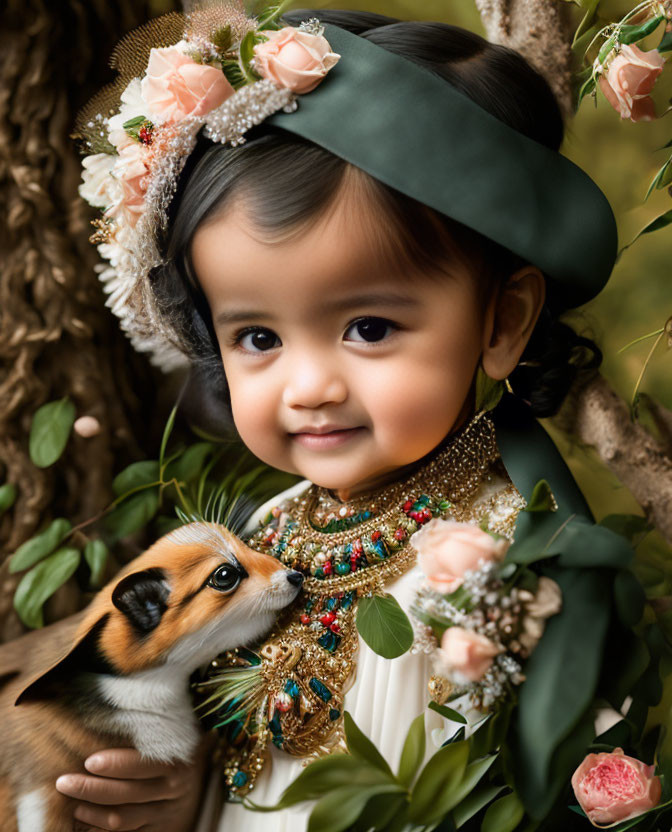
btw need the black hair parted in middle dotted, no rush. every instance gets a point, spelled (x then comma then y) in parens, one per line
(288, 181)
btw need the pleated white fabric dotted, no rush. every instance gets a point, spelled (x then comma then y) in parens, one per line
(384, 699)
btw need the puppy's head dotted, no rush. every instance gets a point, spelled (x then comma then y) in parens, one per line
(197, 591)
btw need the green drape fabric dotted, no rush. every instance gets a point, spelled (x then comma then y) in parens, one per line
(412, 131)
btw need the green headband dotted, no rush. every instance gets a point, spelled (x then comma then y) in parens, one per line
(414, 132)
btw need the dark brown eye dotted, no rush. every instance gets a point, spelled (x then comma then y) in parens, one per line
(225, 578)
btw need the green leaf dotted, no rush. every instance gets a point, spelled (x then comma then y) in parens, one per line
(49, 431)
(234, 74)
(41, 583)
(341, 808)
(631, 526)
(665, 44)
(629, 597)
(413, 751)
(384, 626)
(165, 525)
(322, 777)
(134, 513)
(135, 476)
(661, 180)
(7, 496)
(473, 774)
(542, 498)
(96, 554)
(437, 783)
(473, 803)
(246, 55)
(606, 48)
(489, 391)
(221, 39)
(189, 465)
(361, 747)
(380, 813)
(661, 221)
(586, 88)
(448, 713)
(166, 435)
(38, 547)
(503, 815)
(630, 34)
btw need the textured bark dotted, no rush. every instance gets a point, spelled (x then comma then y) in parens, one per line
(540, 31)
(56, 336)
(602, 419)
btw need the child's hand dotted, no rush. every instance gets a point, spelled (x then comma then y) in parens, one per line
(129, 792)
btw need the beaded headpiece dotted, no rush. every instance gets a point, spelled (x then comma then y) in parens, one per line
(219, 71)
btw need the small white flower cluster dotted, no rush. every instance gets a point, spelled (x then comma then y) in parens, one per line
(488, 630)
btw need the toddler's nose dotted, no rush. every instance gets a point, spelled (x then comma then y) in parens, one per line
(295, 578)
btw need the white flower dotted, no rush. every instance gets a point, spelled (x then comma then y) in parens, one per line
(98, 187)
(132, 106)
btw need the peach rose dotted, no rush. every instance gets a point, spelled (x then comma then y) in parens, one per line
(629, 80)
(130, 170)
(447, 549)
(176, 86)
(467, 653)
(612, 787)
(294, 59)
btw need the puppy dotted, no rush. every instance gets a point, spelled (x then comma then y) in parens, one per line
(121, 669)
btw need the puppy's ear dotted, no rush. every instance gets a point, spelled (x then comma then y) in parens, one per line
(142, 597)
(83, 654)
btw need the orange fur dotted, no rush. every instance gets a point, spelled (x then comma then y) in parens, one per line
(42, 736)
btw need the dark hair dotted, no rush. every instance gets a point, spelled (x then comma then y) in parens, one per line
(273, 170)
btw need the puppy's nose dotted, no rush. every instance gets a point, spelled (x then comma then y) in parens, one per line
(295, 578)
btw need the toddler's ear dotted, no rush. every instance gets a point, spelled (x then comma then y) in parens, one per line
(510, 320)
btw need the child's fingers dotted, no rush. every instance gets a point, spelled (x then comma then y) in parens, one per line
(125, 763)
(110, 792)
(121, 818)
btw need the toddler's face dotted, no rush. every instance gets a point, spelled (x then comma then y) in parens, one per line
(339, 370)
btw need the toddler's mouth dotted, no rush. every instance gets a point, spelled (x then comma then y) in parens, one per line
(324, 438)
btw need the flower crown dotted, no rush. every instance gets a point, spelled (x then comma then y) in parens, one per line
(214, 68)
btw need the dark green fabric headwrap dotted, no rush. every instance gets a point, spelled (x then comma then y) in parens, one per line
(414, 132)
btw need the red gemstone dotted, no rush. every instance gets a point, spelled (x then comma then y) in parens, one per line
(328, 618)
(376, 535)
(305, 618)
(335, 627)
(145, 135)
(327, 567)
(400, 534)
(408, 505)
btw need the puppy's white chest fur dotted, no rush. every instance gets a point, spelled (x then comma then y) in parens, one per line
(154, 710)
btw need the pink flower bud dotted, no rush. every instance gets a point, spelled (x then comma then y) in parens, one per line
(467, 653)
(447, 549)
(629, 80)
(612, 787)
(87, 426)
(294, 59)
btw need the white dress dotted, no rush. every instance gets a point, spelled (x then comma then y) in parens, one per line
(386, 696)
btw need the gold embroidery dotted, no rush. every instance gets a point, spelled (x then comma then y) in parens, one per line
(291, 690)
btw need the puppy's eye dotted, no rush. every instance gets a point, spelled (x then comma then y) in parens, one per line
(225, 578)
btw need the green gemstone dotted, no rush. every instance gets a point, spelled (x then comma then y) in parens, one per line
(239, 779)
(342, 568)
(334, 713)
(320, 689)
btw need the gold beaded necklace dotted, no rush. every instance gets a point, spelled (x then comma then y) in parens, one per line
(290, 691)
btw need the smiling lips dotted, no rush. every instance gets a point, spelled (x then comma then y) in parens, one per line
(326, 436)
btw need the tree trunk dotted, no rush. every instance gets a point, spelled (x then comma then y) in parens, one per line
(57, 338)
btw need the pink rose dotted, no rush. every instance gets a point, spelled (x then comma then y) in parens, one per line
(131, 171)
(176, 86)
(294, 59)
(467, 653)
(612, 787)
(447, 549)
(629, 80)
